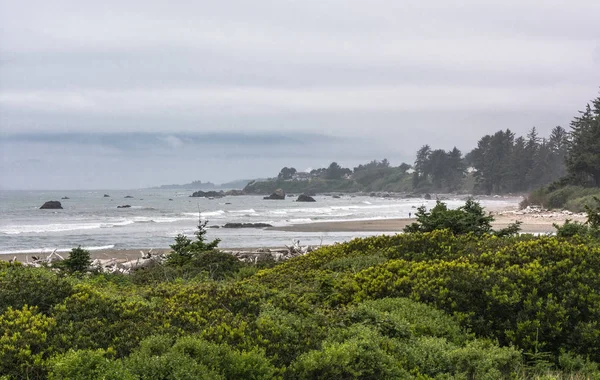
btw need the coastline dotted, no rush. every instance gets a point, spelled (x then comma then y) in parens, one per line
(539, 223)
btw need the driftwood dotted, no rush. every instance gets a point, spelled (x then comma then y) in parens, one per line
(146, 259)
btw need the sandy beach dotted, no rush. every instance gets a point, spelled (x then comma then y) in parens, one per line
(532, 222)
(541, 223)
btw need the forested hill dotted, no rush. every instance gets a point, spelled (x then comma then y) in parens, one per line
(500, 163)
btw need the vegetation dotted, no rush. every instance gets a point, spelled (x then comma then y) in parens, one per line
(580, 183)
(457, 303)
(468, 219)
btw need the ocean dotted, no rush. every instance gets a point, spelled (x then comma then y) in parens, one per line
(90, 220)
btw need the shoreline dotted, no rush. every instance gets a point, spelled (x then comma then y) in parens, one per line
(536, 222)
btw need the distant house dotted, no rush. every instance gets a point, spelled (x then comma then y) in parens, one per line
(301, 176)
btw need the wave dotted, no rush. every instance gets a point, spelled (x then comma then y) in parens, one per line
(248, 211)
(49, 250)
(205, 213)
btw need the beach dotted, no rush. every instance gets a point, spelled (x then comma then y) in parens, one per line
(535, 223)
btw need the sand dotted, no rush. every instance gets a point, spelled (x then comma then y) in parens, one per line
(534, 222)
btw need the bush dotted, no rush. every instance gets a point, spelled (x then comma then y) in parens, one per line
(355, 353)
(78, 261)
(87, 365)
(24, 344)
(39, 287)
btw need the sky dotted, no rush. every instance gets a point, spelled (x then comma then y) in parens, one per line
(131, 94)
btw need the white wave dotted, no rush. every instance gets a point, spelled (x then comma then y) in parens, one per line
(248, 211)
(367, 202)
(299, 220)
(205, 213)
(49, 250)
(42, 228)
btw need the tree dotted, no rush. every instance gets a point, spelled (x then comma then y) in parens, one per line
(286, 173)
(422, 166)
(583, 159)
(470, 218)
(79, 260)
(185, 249)
(335, 171)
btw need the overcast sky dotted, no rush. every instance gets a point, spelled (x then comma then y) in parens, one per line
(128, 94)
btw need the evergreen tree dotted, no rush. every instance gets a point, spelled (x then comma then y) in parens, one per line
(583, 159)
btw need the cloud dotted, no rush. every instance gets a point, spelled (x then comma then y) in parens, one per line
(302, 81)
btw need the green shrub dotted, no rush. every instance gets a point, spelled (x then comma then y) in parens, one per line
(78, 261)
(355, 353)
(87, 365)
(20, 286)
(24, 344)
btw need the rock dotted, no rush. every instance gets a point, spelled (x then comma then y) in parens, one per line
(208, 194)
(305, 198)
(277, 195)
(170, 199)
(128, 196)
(65, 198)
(235, 192)
(427, 196)
(51, 205)
(106, 195)
(124, 206)
(335, 196)
(214, 226)
(246, 225)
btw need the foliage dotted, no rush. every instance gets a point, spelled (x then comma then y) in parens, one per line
(583, 159)
(23, 342)
(78, 261)
(39, 287)
(415, 305)
(470, 218)
(184, 249)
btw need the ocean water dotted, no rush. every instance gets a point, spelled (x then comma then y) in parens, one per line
(93, 221)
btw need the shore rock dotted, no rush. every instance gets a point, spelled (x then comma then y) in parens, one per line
(51, 205)
(305, 198)
(124, 206)
(235, 192)
(278, 194)
(246, 225)
(208, 194)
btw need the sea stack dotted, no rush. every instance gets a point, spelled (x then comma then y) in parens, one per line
(278, 194)
(51, 205)
(305, 198)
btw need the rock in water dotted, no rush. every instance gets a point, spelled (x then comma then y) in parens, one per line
(124, 206)
(247, 225)
(53, 205)
(305, 198)
(128, 196)
(106, 195)
(65, 198)
(278, 194)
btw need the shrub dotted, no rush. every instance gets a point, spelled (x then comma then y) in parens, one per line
(23, 342)
(20, 286)
(78, 261)
(87, 365)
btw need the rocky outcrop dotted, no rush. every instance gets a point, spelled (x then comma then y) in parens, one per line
(208, 194)
(51, 205)
(65, 198)
(247, 225)
(235, 192)
(128, 196)
(305, 198)
(124, 206)
(277, 195)
(106, 196)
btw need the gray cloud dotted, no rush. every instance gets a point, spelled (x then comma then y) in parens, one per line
(296, 83)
